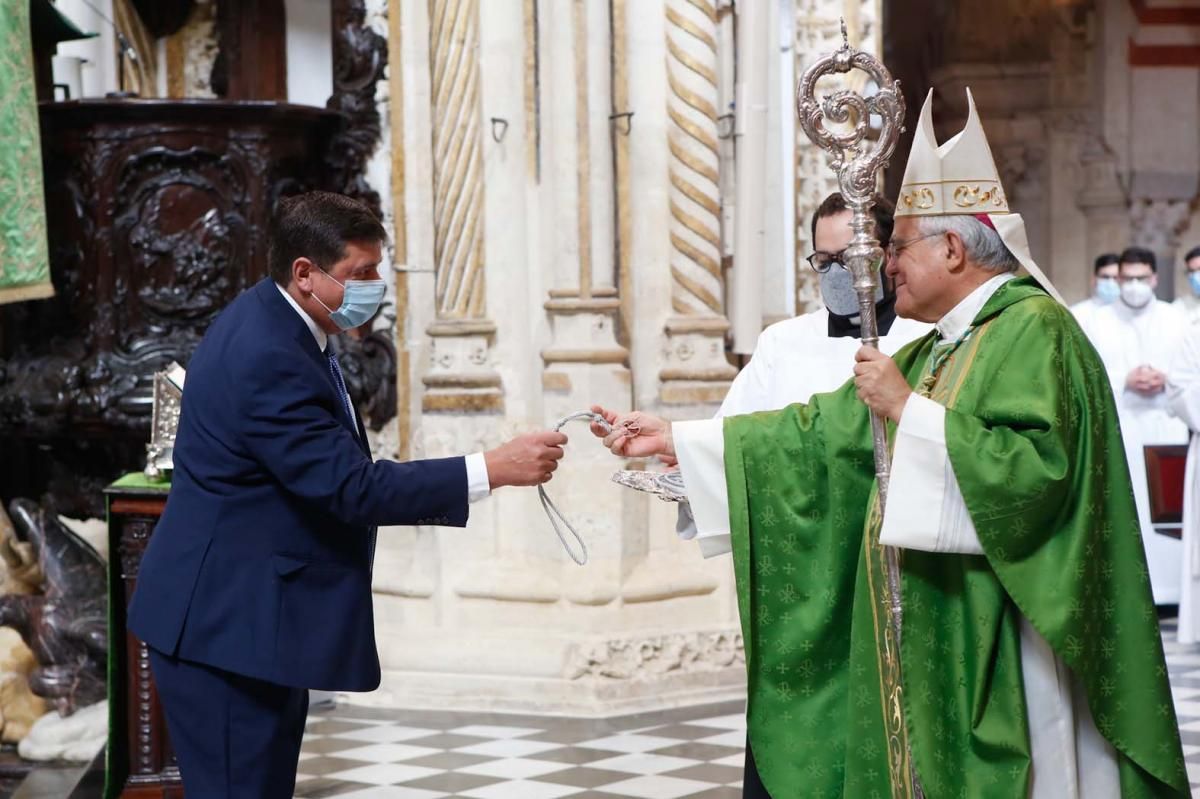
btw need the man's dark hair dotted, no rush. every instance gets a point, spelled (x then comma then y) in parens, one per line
(1192, 253)
(1139, 255)
(1108, 259)
(882, 210)
(317, 226)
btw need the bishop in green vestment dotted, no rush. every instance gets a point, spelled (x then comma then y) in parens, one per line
(1031, 663)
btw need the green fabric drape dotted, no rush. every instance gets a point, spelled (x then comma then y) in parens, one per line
(24, 256)
(1033, 439)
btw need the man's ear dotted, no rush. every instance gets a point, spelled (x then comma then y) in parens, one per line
(956, 252)
(302, 274)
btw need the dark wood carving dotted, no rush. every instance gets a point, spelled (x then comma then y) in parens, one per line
(147, 766)
(251, 62)
(359, 62)
(64, 622)
(157, 214)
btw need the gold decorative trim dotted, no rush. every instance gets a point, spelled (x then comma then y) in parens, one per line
(616, 355)
(466, 403)
(920, 199)
(452, 380)
(972, 196)
(36, 291)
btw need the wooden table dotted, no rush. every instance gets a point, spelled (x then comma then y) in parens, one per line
(141, 760)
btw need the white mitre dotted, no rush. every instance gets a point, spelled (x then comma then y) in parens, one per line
(960, 177)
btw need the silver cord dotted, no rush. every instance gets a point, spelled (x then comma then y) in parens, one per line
(552, 512)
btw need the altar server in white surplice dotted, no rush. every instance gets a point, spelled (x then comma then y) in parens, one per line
(1105, 288)
(814, 353)
(1137, 337)
(1183, 398)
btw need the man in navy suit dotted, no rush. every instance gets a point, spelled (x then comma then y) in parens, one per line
(256, 585)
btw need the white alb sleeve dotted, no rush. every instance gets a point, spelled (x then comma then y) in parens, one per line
(925, 507)
(700, 448)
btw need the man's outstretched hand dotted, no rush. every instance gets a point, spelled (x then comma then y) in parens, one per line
(635, 435)
(527, 460)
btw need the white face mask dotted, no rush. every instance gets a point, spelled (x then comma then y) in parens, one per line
(1136, 293)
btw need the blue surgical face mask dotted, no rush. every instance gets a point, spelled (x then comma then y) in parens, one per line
(1107, 290)
(1194, 282)
(360, 301)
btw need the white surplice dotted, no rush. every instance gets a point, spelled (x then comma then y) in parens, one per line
(1070, 759)
(1183, 398)
(1127, 338)
(1189, 303)
(793, 360)
(1084, 309)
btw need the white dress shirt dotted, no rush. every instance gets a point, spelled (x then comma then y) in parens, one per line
(478, 483)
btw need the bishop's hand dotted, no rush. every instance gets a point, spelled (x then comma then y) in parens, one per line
(880, 384)
(634, 435)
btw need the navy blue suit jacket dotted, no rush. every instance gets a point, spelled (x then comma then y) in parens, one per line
(260, 564)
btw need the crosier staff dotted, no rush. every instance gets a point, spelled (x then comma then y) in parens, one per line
(857, 160)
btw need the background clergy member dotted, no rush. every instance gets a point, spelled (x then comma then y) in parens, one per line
(257, 584)
(1188, 300)
(1183, 399)
(1105, 287)
(1136, 338)
(1031, 663)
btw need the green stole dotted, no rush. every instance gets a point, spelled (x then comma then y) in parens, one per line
(1033, 440)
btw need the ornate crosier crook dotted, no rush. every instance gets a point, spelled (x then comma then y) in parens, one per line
(857, 161)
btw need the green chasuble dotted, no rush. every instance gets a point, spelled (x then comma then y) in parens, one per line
(1033, 439)
(24, 261)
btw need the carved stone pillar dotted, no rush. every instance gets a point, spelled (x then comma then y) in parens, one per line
(696, 370)
(461, 376)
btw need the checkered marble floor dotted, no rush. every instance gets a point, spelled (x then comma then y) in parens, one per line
(689, 753)
(1183, 665)
(355, 753)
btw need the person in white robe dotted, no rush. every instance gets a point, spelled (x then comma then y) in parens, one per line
(1188, 300)
(1183, 400)
(1105, 288)
(1136, 338)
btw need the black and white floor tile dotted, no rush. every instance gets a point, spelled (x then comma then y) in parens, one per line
(688, 753)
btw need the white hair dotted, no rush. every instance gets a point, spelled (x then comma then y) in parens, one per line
(983, 244)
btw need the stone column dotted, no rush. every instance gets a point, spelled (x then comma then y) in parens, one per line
(461, 376)
(696, 369)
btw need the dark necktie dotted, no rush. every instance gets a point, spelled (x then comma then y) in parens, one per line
(336, 370)
(343, 394)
